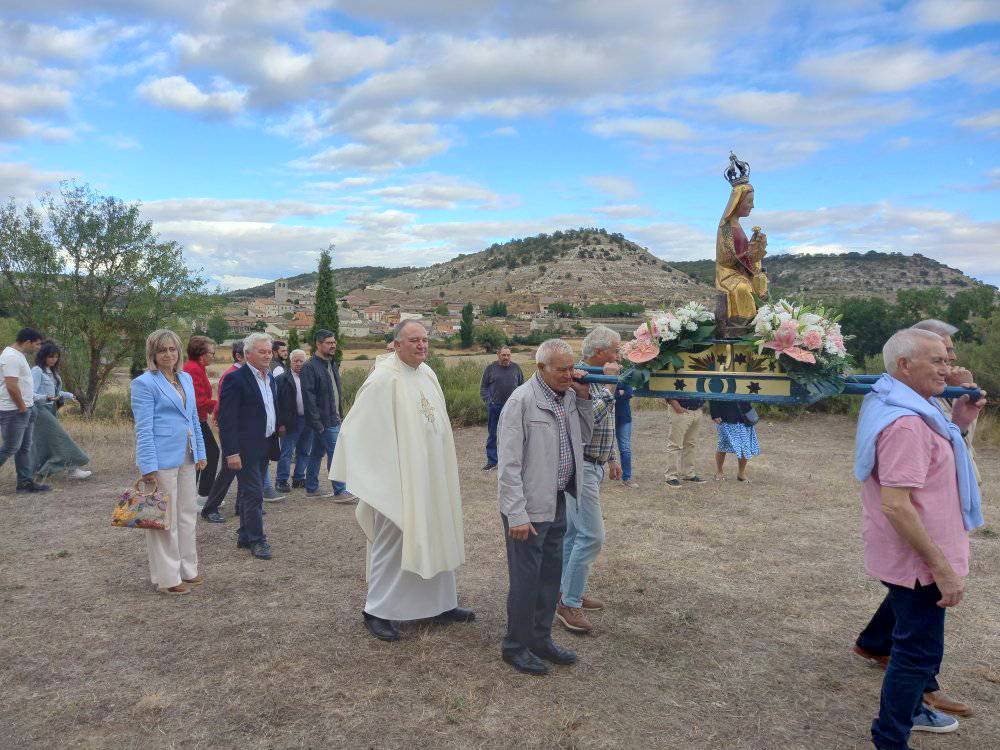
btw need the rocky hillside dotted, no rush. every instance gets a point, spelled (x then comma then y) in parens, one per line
(870, 274)
(347, 278)
(583, 266)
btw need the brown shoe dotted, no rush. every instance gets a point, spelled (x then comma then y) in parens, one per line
(941, 702)
(573, 619)
(881, 660)
(591, 605)
(177, 590)
(196, 581)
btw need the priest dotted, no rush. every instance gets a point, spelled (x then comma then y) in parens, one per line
(397, 454)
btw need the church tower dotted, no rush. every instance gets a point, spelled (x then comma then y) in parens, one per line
(281, 291)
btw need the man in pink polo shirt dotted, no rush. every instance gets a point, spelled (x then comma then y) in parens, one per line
(917, 508)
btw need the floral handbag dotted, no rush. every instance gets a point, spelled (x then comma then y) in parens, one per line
(136, 509)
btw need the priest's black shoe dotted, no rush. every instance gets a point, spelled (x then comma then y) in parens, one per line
(527, 662)
(554, 653)
(384, 630)
(455, 615)
(261, 550)
(214, 517)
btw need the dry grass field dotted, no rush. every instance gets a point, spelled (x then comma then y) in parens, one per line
(731, 611)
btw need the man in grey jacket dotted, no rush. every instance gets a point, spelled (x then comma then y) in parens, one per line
(543, 428)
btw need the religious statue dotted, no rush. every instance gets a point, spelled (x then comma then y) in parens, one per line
(738, 261)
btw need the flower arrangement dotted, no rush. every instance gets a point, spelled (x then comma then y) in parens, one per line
(807, 342)
(658, 341)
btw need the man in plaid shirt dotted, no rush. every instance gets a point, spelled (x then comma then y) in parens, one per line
(584, 520)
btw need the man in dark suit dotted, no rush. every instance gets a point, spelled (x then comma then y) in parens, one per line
(249, 428)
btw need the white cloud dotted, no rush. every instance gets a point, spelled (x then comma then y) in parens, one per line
(985, 121)
(948, 15)
(177, 92)
(794, 110)
(238, 209)
(623, 210)
(23, 181)
(889, 69)
(615, 186)
(437, 192)
(230, 281)
(506, 131)
(121, 142)
(830, 249)
(21, 104)
(381, 147)
(347, 182)
(672, 240)
(647, 128)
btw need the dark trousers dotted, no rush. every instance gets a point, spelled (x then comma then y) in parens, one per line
(491, 438)
(917, 650)
(876, 638)
(250, 499)
(219, 489)
(535, 569)
(206, 477)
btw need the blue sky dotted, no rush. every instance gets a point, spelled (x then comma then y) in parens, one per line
(256, 132)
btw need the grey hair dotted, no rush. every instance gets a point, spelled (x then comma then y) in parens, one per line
(548, 349)
(936, 326)
(253, 338)
(600, 337)
(905, 344)
(297, 351)
(397, 331)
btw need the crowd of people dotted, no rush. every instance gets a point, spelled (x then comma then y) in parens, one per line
(30, 398)
(552, 440)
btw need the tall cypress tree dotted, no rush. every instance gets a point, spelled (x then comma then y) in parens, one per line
(465, 331)
(326, 301)
(293, 340)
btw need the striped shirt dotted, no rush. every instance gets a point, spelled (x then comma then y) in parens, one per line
(555, 400)
(601, 447)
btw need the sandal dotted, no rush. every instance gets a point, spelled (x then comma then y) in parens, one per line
(177, 590)
(196, 581)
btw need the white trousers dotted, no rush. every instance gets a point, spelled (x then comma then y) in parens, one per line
(173, 554)
(397, 594)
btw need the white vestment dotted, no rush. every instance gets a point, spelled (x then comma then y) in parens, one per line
(397, 454)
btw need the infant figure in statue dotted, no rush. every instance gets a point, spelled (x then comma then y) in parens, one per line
(739, 270)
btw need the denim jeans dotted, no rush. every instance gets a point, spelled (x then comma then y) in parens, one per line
(323, 443)
(623, 434)
(876, 638)
(16, 429)
(917, 650)
(491, 439)
(298, 441)
(584, 534)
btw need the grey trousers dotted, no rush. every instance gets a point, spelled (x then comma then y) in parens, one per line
(16, 431)
(535, 569)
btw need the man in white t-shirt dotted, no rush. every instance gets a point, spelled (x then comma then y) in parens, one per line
(17, 413)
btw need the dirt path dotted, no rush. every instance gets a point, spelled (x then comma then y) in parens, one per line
(732, 609)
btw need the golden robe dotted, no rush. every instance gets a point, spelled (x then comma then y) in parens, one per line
(733, 276)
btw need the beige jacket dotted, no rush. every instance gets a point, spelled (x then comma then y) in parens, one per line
(528, 451)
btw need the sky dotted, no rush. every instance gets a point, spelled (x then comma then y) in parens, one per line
(258, 132)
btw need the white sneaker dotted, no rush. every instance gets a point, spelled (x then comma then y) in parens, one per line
(79, 473)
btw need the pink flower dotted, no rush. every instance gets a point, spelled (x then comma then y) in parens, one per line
(642, 333)
(838, 341)
(812, 340)
(625, 349)
(784, 343)
(643, 351)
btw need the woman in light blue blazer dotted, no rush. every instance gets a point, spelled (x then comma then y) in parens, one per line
(169, 448)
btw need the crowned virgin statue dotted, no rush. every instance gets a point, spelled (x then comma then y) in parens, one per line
(738, 261)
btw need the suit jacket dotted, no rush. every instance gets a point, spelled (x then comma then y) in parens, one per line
(286, 404)
(164, 425)
(316, 398)
(243, 419)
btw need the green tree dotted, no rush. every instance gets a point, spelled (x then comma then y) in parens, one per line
(917, 304)
(969, 305)
(465, 330)
(259, 326)
(326, 301)
(218, 328)
(564, 310)
(868, 323)
(496, 309)
(491, 338)
(441, 309)
(89, 270)
(293, 340)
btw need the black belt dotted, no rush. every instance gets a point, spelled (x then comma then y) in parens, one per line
(593, 461)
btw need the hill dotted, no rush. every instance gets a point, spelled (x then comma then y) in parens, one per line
(347, 278)
(871, 274)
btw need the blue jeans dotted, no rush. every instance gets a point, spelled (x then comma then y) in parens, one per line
(584, 534)
(876, 638)
(16, 430)
(917, 650)
(323, 443)
(296, 441)
(623, 434)
(491, 439)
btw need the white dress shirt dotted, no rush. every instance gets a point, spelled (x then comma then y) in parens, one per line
(264, 383)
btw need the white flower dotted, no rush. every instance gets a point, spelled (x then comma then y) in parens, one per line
(674, 325)
(809, 319)
(691, 325)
